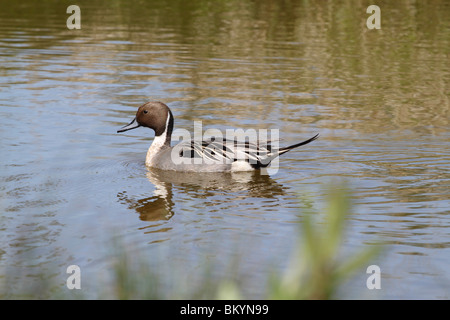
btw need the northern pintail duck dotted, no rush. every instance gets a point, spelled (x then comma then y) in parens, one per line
(212, 155)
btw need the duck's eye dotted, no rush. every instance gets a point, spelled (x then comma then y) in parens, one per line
(145, 111)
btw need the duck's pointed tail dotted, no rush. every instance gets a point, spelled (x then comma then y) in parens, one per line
(286, 149)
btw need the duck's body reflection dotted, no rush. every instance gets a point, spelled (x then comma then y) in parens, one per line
(160, 205)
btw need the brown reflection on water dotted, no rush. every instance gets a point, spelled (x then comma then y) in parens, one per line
(153, 208)
(160, 206)
(298, 53)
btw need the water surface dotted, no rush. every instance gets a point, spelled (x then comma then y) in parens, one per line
(70, 184)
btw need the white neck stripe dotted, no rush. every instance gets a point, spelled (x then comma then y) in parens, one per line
(157, 144)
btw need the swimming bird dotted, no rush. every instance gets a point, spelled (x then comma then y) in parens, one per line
(214, 154)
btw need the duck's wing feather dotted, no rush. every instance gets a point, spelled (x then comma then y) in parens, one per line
(224, 151)
(221, 150)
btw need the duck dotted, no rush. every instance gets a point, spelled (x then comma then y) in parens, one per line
(214, 154)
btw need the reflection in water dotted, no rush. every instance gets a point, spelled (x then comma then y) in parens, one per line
(153, 208)
(160, 206)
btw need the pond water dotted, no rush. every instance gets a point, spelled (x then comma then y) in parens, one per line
(70, 184)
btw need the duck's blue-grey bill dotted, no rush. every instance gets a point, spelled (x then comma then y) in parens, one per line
(132, 125)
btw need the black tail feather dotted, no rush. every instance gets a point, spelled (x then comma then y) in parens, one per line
(286, 149)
